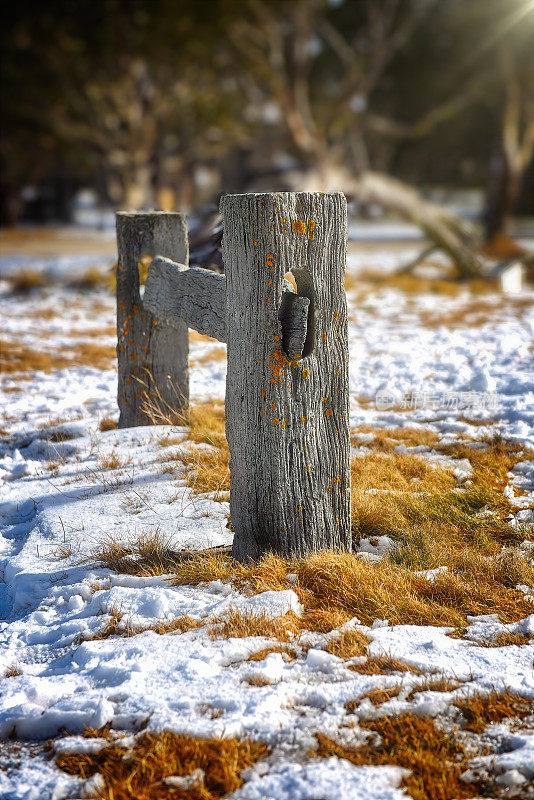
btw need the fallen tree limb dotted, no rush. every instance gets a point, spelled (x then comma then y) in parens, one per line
(446, 231)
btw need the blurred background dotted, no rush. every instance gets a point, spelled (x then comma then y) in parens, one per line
(169, 103)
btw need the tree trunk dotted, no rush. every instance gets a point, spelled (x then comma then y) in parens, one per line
(445, 230)
(501, 198)
(152, 355)
(287, 421)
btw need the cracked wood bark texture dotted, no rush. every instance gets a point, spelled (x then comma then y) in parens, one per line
(174, 292)
(152, 355)
(287, 423)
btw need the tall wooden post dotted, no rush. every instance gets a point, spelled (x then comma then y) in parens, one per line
(287, 420)
(152, 355)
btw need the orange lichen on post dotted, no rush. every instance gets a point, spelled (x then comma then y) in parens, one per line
(277, 364)
(299, 226)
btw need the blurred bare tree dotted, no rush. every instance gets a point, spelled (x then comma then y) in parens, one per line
(515, 149)
(150, 100)
(127, 86)
(321, 65)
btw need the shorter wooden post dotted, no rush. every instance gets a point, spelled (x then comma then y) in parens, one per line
(152, 355)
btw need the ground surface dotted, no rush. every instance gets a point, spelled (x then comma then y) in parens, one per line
(456, 364)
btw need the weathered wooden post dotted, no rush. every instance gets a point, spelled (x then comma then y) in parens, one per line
(152, 355)
(287, 419)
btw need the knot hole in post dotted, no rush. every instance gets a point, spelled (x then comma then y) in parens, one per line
(297, 314)
(144, 262)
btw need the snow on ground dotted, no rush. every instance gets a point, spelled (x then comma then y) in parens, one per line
(65, 486)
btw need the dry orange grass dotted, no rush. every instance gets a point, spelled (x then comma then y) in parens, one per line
(479, 710)
(51, 242)
(208, 470)
(259, 680)
(105, 732)
(41, 313)
(94, 354)
(206, 423)
(289, 653)
(106, 330)
(383, 664)
(387, 591)
(434, 522)
(348, 644)
(108, 424)
(386, 439)
(477, 423)
(118, 625)
(113, 627)
(243, 624)
(113, 461)
(176, 625)
(60, 436)
(398, 472)
(234, 623)
(12, 672)
(149, 554)
(434, 759)
(335, 587)
(94, 278)
(414, 284)
(322, 619)
(26, 280)
(376, 696)
(168, 439)
(214, 767)
(491, 464)
(475, 313)
(17, 358)
(506, 639)
(213, 354)
(435, 683)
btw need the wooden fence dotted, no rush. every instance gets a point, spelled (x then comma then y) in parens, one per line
(287, 398)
